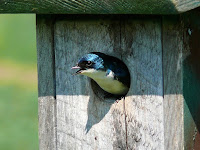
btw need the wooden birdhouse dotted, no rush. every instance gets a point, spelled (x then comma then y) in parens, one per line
(159, 41)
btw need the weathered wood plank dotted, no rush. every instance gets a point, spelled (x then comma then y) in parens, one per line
(46, 87)
(172, 40)
(186, 5)
(83, 119)
(142, 52)
(98, 6)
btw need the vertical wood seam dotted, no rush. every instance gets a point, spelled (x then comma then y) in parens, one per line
(163, 90)
(182, 72)
(124, 103)
(163, 86)
(161, 25)
(54, 76)
(53, 54)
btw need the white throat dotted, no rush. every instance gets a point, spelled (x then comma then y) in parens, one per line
(106, 82)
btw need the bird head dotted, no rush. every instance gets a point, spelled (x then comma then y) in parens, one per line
(109, 72)
(89, 64)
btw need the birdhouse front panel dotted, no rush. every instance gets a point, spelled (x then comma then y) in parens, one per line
(95, 107)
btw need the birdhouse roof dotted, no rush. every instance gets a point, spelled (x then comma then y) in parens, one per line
(98, 6)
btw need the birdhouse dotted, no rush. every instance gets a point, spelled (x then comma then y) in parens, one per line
(159, 41)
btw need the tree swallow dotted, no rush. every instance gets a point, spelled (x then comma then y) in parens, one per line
(109, 72)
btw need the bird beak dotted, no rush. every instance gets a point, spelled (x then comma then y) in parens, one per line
(77, 67)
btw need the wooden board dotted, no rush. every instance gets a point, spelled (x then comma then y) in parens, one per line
(83, 119)
(46, 84)
(173, 83)
(98, 6)
(142, 52)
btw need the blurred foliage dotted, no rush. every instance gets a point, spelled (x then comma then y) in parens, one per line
(17, 38)
(18, 83)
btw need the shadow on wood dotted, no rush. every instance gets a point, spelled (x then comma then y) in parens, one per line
(95, 111)
(191, 84)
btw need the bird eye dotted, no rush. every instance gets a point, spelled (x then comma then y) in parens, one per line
(89, 63)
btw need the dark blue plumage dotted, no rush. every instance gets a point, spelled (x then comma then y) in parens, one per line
(120, 70)
(110, 73)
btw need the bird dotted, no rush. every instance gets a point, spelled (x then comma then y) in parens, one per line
(110, 73)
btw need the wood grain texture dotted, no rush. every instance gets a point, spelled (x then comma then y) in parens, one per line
(46, 87)
(173, 83)
(98, 6)
(85, 121)
(186, 5)
(72, 115)
(142, 52)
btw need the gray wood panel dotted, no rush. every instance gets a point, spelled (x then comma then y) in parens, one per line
(142, 52)
(46, 84)
(173, 83)
(84, 121)
(98, 6)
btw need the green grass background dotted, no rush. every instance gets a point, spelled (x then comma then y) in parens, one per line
(18, 83)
